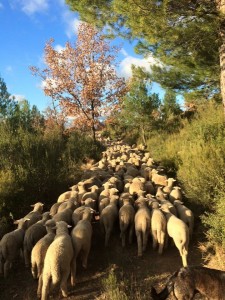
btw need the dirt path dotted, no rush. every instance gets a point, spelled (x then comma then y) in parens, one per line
(136, 273)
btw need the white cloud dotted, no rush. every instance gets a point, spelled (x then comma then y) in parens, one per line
(125, 65)
(31, 7)
(72, 23)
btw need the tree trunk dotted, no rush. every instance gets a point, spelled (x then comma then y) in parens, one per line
(93, 133)
(221, 9)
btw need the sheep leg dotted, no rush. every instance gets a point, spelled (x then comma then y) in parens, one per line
(26, 257)
(139, 242)
(161, 242)
(154, 239)
(145, 240)
(63, 284)
(45, 287)
(131, 233)
(123, 237)
(40, 282)
(7, 267)
(85, 256)
(107, 236)
(73, 270)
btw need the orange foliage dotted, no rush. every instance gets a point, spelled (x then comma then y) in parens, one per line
(82, 77)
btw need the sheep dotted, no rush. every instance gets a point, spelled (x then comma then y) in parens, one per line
(108, 218)
(157, 179)
(10, 246)
(58, 260)
(158, 227)
(175, 194)
(81, 237)
(142, 221)
(102, 204)
(136, 186)
(108, 193)
(66, 195)
(168, 188)
(92, 194)
(160, 195)
(132, 171)
(54, 208)
(35, 214)
(66, 214)
(169, 205)
(39, 250)
(78, 212)
(185, 214)
(126, 220)
(149, 188)
(33, 234)
(63, 205)
(179, 232)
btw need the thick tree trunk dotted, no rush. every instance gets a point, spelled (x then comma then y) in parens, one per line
(221, 9)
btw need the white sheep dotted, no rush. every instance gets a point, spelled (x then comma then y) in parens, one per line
(136, 186)
(168, 188)
(185, 214)
(142, 221)
(126, 220)
(63, 205)
(108, 217)
(158, 227)
(66, 195)
(92, 194)
(58, 259)
(34, 215)
(33, 234)
(158, 179)
(179, 232)
(10, 246)
(66, 214)
(39, 250)
(81, 238)
(175, 194)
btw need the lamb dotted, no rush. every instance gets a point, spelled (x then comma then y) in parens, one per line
(136, 186)
(39, 250)
(92, 194)
(108, 218)
(126, 219)
(168, 188)
(81, 238)
(175, 194)
(10, 246)
(63, 205)
(66, 214)
(58, 259)
(66, 195)
(158, 227)
(179, 232)
(35, 215)
(33, 234)
(157, 179)
(185, 214)
(142, 221)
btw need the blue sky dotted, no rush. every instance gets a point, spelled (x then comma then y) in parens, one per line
(25, 27)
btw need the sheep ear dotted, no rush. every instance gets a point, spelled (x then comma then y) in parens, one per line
(32, 205)
(69, 226)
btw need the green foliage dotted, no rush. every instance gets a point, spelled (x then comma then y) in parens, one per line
(113, 289)
(182, 34)
(197, 155)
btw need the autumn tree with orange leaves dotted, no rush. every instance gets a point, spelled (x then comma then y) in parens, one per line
(82, 78)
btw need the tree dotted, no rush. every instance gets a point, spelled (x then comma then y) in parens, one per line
(6, 101)
(188, 36)
(83, 77)
(140, 107)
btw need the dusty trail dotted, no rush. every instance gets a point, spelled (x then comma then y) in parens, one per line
(139, 272)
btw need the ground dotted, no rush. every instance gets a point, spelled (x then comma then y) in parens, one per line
(134, 274)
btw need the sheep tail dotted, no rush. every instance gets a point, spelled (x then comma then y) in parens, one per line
(167, 289)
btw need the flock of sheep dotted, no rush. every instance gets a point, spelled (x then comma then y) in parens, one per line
(127, 187)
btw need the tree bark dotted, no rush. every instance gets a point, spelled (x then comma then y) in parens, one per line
(221, 9)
